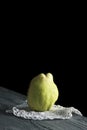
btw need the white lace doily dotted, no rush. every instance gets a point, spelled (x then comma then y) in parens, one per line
(56, 112)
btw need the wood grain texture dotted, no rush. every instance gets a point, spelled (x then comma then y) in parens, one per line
(9, 98)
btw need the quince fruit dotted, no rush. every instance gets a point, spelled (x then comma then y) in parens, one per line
(42, 92)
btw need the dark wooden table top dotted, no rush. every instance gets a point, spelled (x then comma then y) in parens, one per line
(9, 98)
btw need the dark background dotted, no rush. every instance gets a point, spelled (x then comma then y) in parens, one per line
(32, 43)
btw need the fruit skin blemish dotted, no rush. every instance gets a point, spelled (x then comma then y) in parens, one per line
(42, 92)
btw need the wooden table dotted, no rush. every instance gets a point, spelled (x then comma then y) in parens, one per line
(10, 98)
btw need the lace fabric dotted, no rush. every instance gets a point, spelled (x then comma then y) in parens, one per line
(56, 112)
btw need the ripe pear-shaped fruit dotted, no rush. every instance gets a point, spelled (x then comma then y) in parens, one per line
(42, 93)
